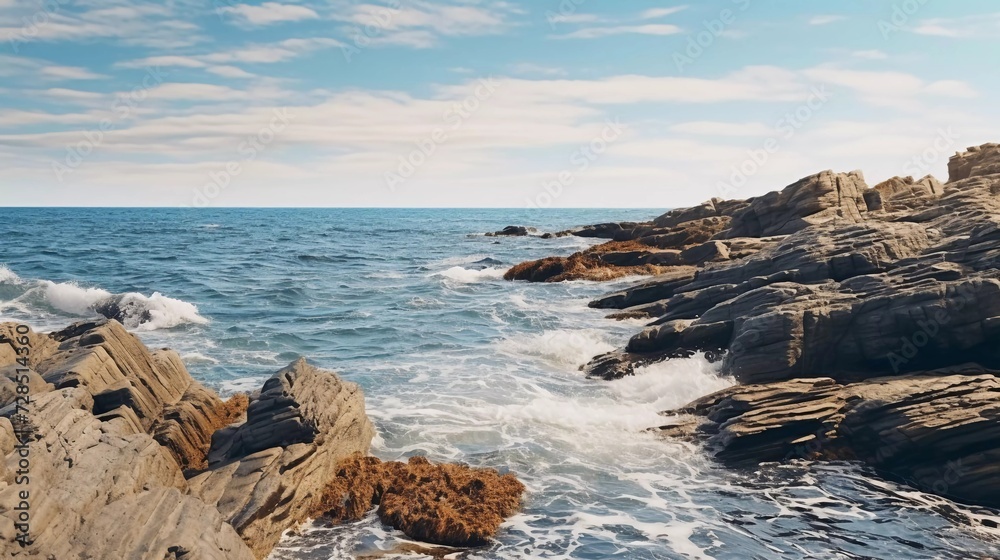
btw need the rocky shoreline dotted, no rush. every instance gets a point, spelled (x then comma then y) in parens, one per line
(115, 451)
(862, 323)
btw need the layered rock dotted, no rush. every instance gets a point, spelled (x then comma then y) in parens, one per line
(268, 473)
(939, 431)
(847, 313)
(96, 474)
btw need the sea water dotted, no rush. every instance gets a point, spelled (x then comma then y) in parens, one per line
(459, 365)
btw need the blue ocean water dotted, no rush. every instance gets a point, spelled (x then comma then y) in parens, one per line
(459, 365)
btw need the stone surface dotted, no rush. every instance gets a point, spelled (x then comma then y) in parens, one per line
(268, 473)
(863, 323)
(939, 431)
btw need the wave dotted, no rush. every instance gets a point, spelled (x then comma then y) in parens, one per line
(566, 348)
(134, 310)
(8, 276)
(467, 276)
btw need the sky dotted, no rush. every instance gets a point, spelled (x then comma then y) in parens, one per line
(481, 103)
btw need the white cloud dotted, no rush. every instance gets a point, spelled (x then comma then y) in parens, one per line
(870, 55)
(144, 23)
(657, 13)
(889, 88)
(269, 13)
(984, 25)
(952, 88)
(598, 32)
(422, 24)
(825, 19)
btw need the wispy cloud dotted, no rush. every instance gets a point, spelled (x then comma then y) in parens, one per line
(870, 55)
(657, 13)
(423, 24)
(598, 32)
(825, 19)
(985, 25)
(268, 13)
(131, 22)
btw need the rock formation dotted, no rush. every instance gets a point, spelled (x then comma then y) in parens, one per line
(113, 451)
(863, 322)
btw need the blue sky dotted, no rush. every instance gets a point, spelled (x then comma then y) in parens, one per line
(481, 103)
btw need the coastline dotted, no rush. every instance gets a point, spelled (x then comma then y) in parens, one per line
(862, 323)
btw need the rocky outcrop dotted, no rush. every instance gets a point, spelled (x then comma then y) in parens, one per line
(268, 473)
(97, 476)
(128, 457)
(823, 198)
(451, 505)
(977, 161)
(863, 324)
(939, 431)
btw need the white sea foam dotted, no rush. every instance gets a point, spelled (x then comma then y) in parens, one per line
(141, 312)
(198, 358)
(566, 348)
(8, 276)
(164, 312)
(71, 298)
(467, 276)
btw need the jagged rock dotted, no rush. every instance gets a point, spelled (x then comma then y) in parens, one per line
(977, 161)
(662, 287)
(268, 473)
(904, 194)
(818, 199)
(939, 431)
(452, 505)
(96, 474)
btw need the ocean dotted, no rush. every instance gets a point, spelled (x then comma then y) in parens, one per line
(459, 365)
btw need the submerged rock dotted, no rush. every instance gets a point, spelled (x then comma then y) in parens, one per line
(512, 231)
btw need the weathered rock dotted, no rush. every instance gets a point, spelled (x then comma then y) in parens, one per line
(939, 431)
(268, 474)
(904, 194)
(977, 161)
(96, 475)
(452, 505)
(818, 199)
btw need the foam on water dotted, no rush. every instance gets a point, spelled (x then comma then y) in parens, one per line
(470, 276)
(565, 348)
